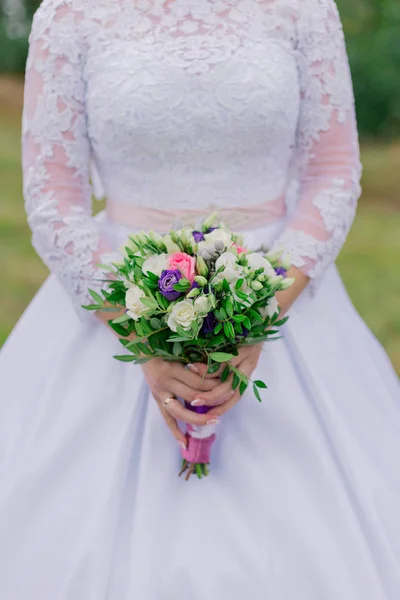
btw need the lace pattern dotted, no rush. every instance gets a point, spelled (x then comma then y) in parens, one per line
(187, 103)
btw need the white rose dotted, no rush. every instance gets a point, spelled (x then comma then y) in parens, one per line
(136, 308)
(219, 235)
(256, 261)
(270, 309)
(202, 305)
(156, 263)
(183, 314)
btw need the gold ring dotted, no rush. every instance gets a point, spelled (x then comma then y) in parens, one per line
(168, 400)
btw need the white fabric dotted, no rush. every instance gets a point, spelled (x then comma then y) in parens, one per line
(181, 104)
(301, 503)
(188, 103)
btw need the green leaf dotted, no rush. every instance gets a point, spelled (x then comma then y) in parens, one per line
(255, 315)
(241, 295)
(155, 323)
(246, 323)
(96, 297)
(225, 374)
(281, 322)
(119, 329)
(122, 319)
(260, 384)
(92, 307)
(105, 267)
(257, 393)
(177, 349)
(239, 318)
(144, 349)
(125, 358)
(229, 307)
(236, 381)
(213, 368)
(221, 357)
(225, 285)
(228, 330)
(239, 284)
(149, 302)
(218, 328)
(242, 387)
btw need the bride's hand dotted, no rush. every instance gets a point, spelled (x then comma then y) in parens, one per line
(170, 380)
(246, 361)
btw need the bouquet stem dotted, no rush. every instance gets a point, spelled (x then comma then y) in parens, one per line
(196, 456)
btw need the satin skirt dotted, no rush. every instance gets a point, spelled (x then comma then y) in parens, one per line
(304, 493)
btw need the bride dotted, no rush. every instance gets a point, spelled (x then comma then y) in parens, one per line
(184, 106)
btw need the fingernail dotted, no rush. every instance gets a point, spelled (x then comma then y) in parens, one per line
(192, 368)
(182, 445)
(197, 402)
(213, 422)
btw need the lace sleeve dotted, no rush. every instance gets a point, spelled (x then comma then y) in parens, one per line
(326, 144)
(55, 151)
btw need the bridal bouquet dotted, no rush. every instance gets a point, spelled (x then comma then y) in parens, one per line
(194, 296)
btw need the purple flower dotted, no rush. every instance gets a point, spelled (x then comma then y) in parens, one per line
(169, 277)
(210, 229)
(198, 236)
(280, 271)
(209, 324)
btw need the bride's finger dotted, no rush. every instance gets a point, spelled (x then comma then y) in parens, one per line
(171, 422)
(180, 413)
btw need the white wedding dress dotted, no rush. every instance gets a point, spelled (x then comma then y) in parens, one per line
(182, 106)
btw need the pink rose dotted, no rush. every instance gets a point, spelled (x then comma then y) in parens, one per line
(184, 263)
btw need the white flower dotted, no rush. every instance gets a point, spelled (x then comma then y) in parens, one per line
(232, 271)
(171, 246)
(183, 314)
(219, 235)
(256, 261)
(136, 308)
(202, 305)
(270, 309)
(156, 263)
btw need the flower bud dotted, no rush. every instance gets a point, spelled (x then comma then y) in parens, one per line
(155, 237)
(201, 266)
(275, 280)
(201, 305)
(286, 262)
(287, 283)
(212, 301)
(202, 281)
(274, 255)
(193, 293)
(209, 222)
(170, 245)
(174, 237)
(219, 245)
(256, 285)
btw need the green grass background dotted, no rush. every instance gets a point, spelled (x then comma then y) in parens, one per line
(369, 262)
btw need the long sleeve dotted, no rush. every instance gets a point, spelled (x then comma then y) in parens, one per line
(327, 148)
(55, 151)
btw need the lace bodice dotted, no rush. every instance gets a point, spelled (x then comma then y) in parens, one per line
(187, 103)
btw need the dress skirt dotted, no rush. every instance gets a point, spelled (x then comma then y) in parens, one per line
(303, 498)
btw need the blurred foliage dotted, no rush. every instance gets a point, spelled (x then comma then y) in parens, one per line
(373, 40)
(372, 30)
